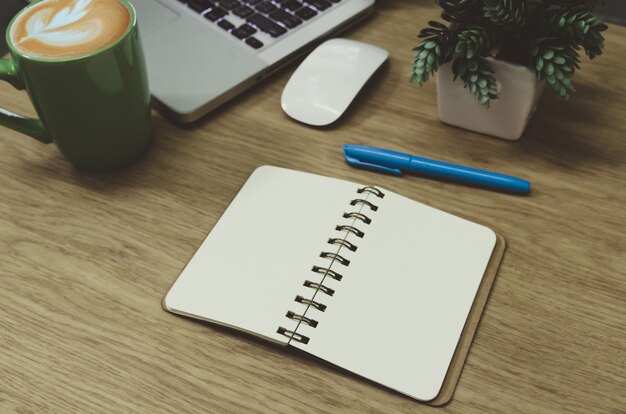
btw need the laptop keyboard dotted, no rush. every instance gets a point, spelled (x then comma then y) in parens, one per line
(246, 18)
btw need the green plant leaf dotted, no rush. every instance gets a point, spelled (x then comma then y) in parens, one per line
(539, 64)
(431, 52)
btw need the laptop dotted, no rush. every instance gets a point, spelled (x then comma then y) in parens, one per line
(201, 53)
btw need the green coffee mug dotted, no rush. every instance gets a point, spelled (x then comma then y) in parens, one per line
(95, 108)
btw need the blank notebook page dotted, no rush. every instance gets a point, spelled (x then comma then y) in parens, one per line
(250, 268)
(398, 313)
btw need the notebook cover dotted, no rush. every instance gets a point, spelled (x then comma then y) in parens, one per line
(467, 336)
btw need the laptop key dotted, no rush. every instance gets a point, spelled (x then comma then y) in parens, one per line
(225, 24)
(266, 7)
(239, 34)
(252, 2)
(266, 25)
(306, 13)
(286, 19)
(291, 5)
(229, 4)
(243, 11)
(248, 29)
(254, 42)
(200, 5)
(243, 31)
(215, 14)
(319, 4)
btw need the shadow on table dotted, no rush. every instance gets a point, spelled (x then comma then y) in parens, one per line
(572, 133)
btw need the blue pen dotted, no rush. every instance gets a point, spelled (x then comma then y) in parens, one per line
(393, 162)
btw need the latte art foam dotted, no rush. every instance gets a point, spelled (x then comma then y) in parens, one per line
(69, 28)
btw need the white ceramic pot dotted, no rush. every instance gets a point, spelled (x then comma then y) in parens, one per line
(518, 93)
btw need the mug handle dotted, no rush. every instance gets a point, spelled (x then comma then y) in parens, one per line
(29, 126)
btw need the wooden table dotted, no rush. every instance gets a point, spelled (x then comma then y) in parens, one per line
(86, 258)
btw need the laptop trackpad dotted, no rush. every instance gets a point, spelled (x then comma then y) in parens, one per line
(191, 64)
(153, 16)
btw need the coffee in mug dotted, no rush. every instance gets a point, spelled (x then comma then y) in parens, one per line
(69, 28)
(82, 65)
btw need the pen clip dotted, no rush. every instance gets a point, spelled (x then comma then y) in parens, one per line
(356, 163)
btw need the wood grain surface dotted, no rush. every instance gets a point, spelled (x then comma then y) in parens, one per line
(86, 258)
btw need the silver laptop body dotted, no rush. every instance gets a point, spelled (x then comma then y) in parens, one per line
(195, 64)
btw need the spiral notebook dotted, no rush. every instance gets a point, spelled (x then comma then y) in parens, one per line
(361, 277)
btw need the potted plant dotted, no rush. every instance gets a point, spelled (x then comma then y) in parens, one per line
(504, 51)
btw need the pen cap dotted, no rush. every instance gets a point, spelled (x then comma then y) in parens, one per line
(376, 159)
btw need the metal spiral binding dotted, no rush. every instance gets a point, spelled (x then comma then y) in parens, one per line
(371, 190)
(351, 229)
(359, 216)
(320, 307)
(327, 272)
(320, 287)
(371, 205)
(293, 335)
(342, 243)
(335, 257)
(311, 322)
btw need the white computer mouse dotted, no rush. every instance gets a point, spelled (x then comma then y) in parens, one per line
(327, 81)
